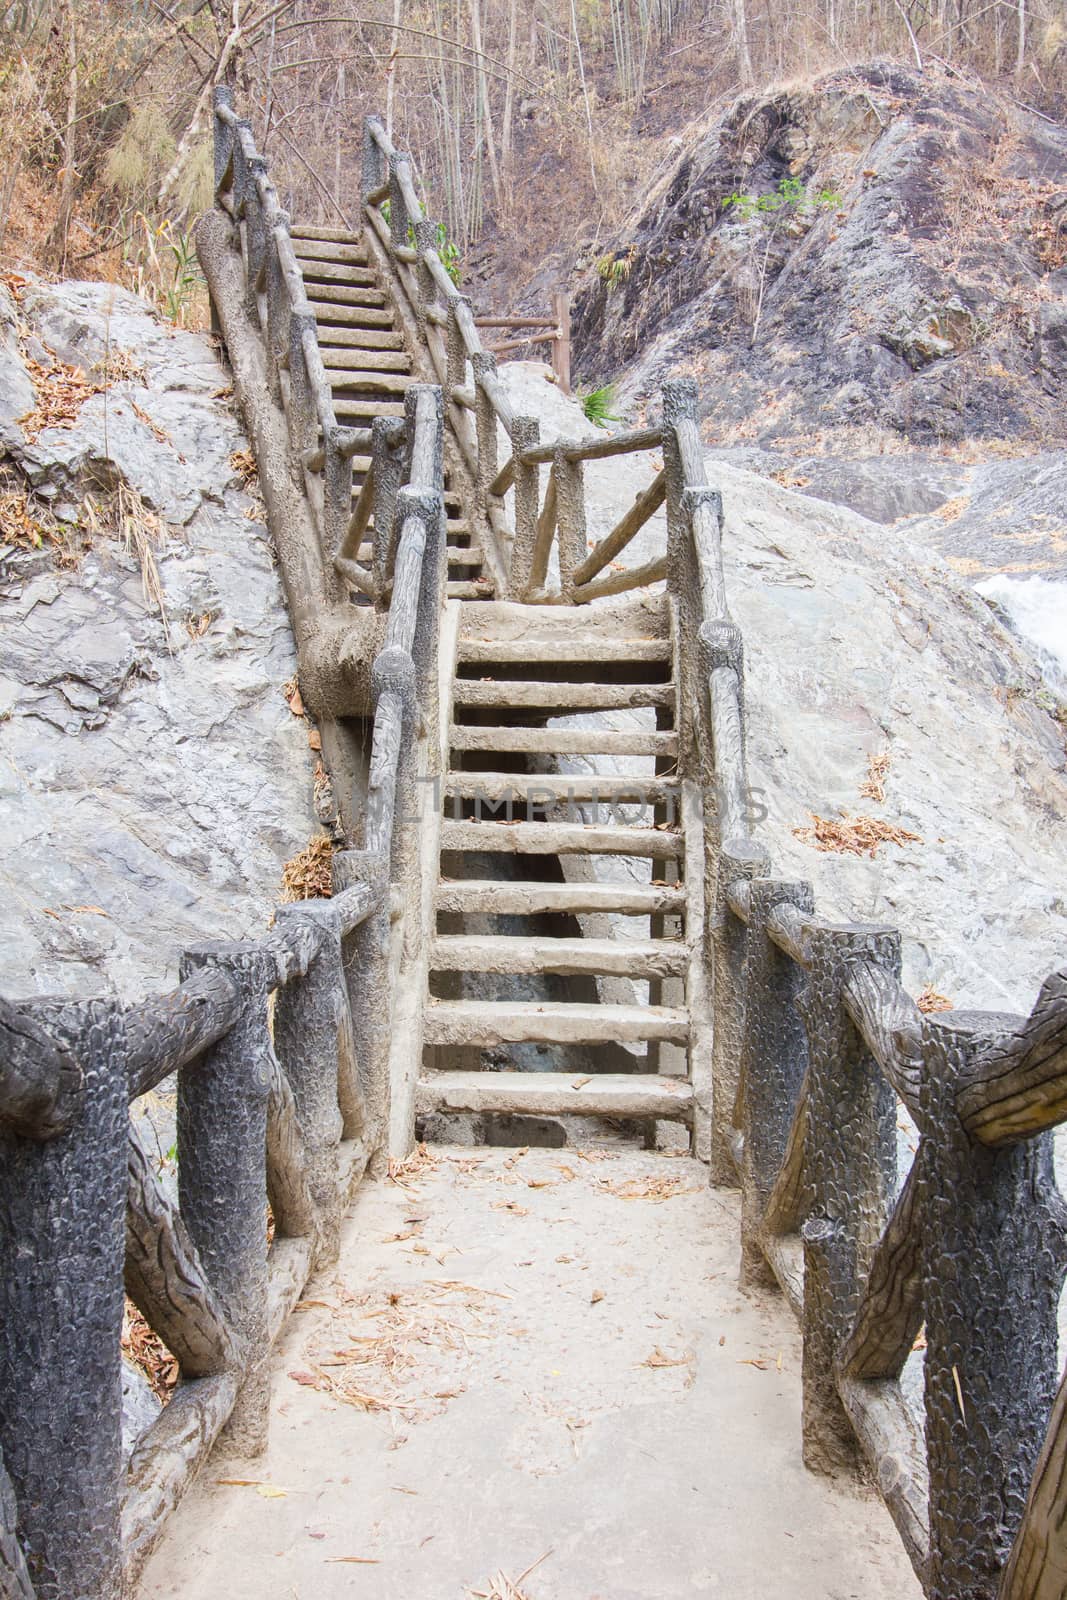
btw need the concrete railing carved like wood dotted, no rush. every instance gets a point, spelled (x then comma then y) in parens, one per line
(546, 558)
(280, 1104)
(815, 1043)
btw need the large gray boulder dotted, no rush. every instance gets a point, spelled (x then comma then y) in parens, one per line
(153, 780)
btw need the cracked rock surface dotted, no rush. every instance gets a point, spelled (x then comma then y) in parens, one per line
(153, 780)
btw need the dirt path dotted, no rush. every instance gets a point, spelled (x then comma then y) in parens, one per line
(525, 1356)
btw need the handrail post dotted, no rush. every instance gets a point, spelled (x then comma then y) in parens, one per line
(774, 1059)
(570, 519)
(993, 1266)
(735, 861)
(561, 345)
(278, 308)
(312, 1036)
(456, 345)
(425, 239)
(222, 1183)
(388, 453)
(222, 143)
(303, 418)
(374, 172)
(399, 221)
(366, 959)
(851, 1176)
(525, 436)
(336, 494)
(62, 1246)
(484, 364)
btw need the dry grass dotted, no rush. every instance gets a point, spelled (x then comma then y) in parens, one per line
(25, 524)
(147, 1351)
(243, 462)
(873, 786)
(309, 874)
(928, 1000)
(853, 836)
(501, 1587)
(654, 1189)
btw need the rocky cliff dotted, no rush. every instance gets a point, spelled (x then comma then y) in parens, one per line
(153, 778)
(878, 255)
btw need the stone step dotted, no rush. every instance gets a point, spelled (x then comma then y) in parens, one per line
(346, 295)
(560, 839)
(492, 1022)
(350, 316)
(335, 339)
(623, 958)
(505, 898)
(479, 589)
(524, 694)
(319, 271)
(588, 647)
(346, 359)
(557, 1094)
(565, 741)
(604, 788)
(330, 235)
(378, 382)
(346, 406)
(312, 249)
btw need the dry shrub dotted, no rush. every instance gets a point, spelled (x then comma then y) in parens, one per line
(853, 836)
(309, 874)
(143, 1346)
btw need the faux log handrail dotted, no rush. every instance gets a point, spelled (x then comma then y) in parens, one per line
(549, 521)
(816, 1042)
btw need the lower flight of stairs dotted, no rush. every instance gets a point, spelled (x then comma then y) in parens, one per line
(370, 370)
(561, 962)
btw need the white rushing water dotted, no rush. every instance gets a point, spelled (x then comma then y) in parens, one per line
(1037, 609)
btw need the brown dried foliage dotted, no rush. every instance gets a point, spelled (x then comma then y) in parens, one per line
(143, 1346)
(853, 836)
(309, 874)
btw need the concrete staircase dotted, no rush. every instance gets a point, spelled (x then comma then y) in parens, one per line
(566, 919)
(370, 370)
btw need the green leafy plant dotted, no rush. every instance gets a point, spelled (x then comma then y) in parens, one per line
(789, 196)
(615, 269)
(598, 404)
(186, 278)
(789, 199)
(446, 249)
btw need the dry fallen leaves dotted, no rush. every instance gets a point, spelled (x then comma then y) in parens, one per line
(654, 1189)
(873, 786)
(853, 836)
(928, 1000)
(658, 1358)
(501, 1587)
(61, 392)
(309, 874)
(143, 1346)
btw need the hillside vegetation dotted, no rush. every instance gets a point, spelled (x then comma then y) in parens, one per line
(531, 125)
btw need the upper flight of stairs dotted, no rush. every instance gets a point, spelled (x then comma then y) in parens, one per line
(370, 369)
(560, 963)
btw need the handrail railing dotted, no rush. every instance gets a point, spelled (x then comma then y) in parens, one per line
(545, 557)
(280, 1048)
(815, 1040)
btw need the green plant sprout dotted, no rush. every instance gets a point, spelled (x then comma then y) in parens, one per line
(599, 405)
(448, 252)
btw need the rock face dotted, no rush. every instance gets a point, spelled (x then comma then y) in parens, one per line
(911, 280)
(858, 644)
(153, 780)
